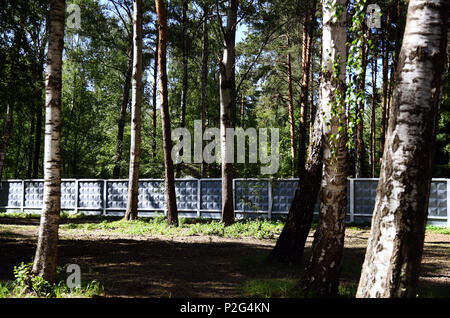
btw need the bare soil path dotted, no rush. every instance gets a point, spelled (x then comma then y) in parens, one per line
(194, 266)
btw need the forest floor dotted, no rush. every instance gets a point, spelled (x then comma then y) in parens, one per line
(149, 265)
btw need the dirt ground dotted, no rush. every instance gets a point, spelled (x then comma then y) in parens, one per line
(195, 266)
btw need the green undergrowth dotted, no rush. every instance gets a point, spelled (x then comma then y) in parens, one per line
(270, 279)
(28, 285)
(257, 228)
(260, 229)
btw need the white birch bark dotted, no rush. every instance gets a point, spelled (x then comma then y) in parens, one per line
(136, 104)
(47, 248)
(322, 275)
(394, 252)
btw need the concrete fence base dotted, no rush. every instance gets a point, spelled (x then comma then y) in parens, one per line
(203, 198)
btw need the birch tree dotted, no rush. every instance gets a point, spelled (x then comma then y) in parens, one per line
(392, 262)
(322, 274)
(47, 248)
(136, 104)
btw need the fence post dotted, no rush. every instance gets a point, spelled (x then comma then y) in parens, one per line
(269, 192)
(448, 203)
(234, 199)
(105, 197)
(199, 189)
(352, 200)
(22, 204)
(77, 194)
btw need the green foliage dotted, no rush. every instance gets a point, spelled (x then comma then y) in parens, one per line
(26, 284)
(260, 229)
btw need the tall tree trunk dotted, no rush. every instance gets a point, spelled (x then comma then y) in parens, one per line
(306, 66)
(204, 79)
(360, 148)
(291, 242)
(9, 120)
(227, 104)
(37, 141)
(171, 204)
(394, 252)
(184, 85)
(322, 274)
(6, 134)
(155, 86)
(291, 111)
(29, 151)
(47, 247)
(122, 117)
(136, 116)
(385, 58)
(373, 150)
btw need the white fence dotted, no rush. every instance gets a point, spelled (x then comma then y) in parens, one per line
(203, 197)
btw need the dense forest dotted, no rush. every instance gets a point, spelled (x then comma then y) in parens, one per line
(102, 89)
(278, 56)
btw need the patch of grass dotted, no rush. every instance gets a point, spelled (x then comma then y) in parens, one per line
(285, 288)
(260, 229)
(19, 215)
(438, 229)
(28, 285)
(269, 288)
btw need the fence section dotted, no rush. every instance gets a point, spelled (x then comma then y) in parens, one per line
(203, 197)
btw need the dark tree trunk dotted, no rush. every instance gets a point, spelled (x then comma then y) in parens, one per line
(184, 86)
(171, 204)
(360, 147)
(291, 243)
(37, 141)
(6, 134)
(204, 79)
(373, 150)
(154, 93)
(227, 105)
(29, 154)
(384, 102)
(306, 66)
(122, 118)
(291, 112)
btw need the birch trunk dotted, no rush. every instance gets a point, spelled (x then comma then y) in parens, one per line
(322, 274)
(227, 102)
(47, 247)
(171, 204)
(136, 104)
(394, 252)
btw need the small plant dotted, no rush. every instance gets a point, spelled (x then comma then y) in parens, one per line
(27, 284)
